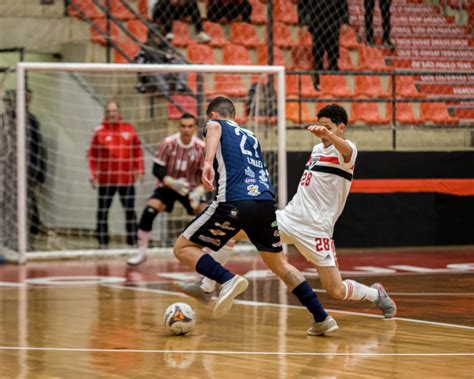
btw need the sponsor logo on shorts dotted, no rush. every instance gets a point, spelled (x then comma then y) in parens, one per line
(213, 241)
(274, 224)
(233, 213)
(253, 190)
(217, 232)
(276, 244)
(225, 225)
(276, 233)
(249, 172)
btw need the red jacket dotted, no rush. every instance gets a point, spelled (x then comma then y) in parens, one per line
(115, 154)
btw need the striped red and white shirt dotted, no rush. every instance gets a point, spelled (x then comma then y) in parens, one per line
(180, 160)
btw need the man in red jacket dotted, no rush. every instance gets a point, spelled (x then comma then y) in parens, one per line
(115, 162)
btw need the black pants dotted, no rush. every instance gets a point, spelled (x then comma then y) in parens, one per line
(127, 198)
(164, 14)
(325, 39)
(369, 18)
(217, 10)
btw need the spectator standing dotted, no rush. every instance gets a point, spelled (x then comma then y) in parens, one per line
(166, 11)
(115, 161)
(229, 10)
(384, 5)
(324, 19)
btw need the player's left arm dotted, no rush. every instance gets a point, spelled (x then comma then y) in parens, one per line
(213, 136)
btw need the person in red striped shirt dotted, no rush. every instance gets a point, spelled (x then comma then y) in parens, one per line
(115, 163)
(178, 167)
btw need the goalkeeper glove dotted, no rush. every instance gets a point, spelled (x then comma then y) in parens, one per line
(195, 196)
(180, 185)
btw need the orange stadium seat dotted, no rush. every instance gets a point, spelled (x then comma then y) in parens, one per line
(182, 38)
(192, 83)
(437, 113)
(262, 55)
(405, 87)
(369, 86)
(348, 38)
(305, 37)
(229, 85)
(404, 114)
(216, 33)
(235, 54)
(142, 7)
(259, 12)
(87, 7)
(188, 103)
(335, 86)
(302, 56)
(138, 29)
(101, 24)
(307, 87)
(344, 62)
(282, 36)
(243, 33)
(119, 11)
(371, 58)
(367, 113)
(285, 11)
(129, 47)
(292, 110)
(201, 54)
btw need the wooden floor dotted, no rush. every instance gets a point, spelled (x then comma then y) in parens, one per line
(100, 319)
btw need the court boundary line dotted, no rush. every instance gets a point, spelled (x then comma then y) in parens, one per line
(261, 304)
(228, 352)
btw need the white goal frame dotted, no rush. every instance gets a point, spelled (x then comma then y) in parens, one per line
(23, 67)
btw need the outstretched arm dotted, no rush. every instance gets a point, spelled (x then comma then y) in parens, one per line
(213, 136)
(339, 143)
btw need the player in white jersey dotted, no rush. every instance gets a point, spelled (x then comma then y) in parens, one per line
(308, 220)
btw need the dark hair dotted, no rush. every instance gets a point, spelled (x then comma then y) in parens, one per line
(335, 113)
(223, 106)
(187, 115)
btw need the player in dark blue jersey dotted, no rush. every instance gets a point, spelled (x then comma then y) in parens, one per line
(244, 200)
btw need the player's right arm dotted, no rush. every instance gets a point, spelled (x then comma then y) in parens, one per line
(213, 136)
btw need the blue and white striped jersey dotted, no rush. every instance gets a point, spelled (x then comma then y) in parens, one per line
(241, 173)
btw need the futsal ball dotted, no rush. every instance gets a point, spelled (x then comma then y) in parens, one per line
(179, 318)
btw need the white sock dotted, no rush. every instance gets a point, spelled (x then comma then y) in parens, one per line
(222, 256)
(143, 239)
(359, 291)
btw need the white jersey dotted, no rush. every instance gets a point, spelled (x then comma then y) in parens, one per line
(322, 191)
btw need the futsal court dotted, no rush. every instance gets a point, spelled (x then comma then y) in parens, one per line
(101, 318)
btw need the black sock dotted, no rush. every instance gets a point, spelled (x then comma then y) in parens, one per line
(308, 298)
(207, 266)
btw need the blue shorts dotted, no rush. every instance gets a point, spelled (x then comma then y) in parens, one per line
(219, 222)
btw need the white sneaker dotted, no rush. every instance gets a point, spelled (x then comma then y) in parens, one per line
(203, 37)
(170, 36)
(228, 292)
(137, 259)
(324, 327)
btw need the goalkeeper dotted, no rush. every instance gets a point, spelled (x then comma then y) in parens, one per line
(178, 167)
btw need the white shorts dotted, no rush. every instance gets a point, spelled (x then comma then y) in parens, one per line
(316, 246)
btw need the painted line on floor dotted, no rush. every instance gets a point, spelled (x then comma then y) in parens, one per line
(228, 352)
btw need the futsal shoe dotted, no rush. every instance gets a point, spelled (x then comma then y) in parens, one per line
(324, 327)
(137, 259)
(193, 289)
(228, 292)
(384, 302)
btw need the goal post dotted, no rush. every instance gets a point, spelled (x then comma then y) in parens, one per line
(105, 81)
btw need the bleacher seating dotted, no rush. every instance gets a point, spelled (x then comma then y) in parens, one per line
(245, 34)
(216, 33)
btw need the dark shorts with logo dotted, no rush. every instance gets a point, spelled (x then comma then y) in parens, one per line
(219, 222)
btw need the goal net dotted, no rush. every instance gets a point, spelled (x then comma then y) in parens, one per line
(49, 207)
